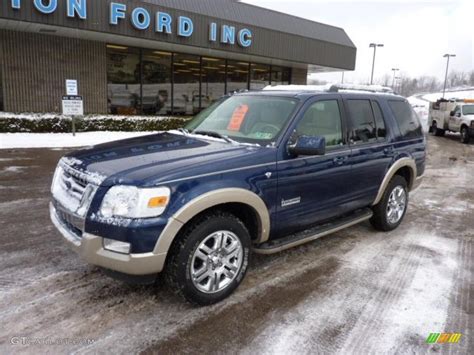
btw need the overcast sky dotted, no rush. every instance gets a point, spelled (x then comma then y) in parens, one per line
(415, 33)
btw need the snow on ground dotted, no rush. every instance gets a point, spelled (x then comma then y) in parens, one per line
(62, 140)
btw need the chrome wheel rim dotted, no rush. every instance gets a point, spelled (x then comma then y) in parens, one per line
(396, 205)
(216, 262)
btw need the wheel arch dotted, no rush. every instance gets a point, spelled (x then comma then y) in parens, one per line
(243, 203)
(405, 167)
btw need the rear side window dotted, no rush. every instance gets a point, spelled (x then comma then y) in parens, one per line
(406, 118)
(363, 121)
(379, 121)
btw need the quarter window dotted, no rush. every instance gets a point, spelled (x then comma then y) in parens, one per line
(406, 118)
(379, 120)
(363, 121)
(322, 118)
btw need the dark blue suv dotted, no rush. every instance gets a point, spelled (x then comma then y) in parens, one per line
(255, 172)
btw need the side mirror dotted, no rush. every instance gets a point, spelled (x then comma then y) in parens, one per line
(452, 113)
(308, 145)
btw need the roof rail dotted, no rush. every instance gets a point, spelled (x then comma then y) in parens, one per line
(333, 88)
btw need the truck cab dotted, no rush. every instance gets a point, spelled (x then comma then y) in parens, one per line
(452, 116)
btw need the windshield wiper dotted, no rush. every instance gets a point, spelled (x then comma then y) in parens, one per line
(214, 135)
(184, 131)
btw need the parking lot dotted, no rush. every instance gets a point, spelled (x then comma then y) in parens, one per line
(357, 291)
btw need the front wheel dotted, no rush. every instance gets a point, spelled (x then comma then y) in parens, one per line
(210, 258)
(389, 212)
(465, 135)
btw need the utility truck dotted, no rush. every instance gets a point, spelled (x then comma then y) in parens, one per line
(452, 116)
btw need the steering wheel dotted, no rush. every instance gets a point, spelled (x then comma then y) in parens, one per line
(269, 128)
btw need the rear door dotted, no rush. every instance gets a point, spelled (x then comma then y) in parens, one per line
(371, 151)
(314, 188)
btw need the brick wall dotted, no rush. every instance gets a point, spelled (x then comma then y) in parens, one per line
(299, 76)
(35, 66)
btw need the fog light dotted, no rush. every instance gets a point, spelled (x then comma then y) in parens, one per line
(116, 246)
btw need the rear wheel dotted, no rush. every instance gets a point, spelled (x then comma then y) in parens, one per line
(389, 212)
(465, 135)
(437, 131)
(210, 258)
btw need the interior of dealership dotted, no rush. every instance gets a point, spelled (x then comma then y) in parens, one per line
(142, 81)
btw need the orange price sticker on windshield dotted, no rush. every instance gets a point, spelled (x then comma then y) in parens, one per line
(238, 118)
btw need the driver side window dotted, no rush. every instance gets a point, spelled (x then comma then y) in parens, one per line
(322, 119)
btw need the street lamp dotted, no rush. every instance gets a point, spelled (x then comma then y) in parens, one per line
(447, 68)
(398, 84)
(393, 81)
(374, 46)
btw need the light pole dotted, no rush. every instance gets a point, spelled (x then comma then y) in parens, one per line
(374, 46)
(393, 81)
(447, 68)
(398, 83)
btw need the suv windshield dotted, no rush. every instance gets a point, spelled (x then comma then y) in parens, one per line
(468, 110)
(246, 118)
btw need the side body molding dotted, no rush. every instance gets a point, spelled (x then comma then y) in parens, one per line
(208, 200)
(400, 163)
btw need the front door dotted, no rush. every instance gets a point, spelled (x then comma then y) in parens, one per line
(313, 188)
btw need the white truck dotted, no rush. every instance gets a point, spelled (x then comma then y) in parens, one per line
(452, 116)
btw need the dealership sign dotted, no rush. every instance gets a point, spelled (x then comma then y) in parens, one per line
(142, 20)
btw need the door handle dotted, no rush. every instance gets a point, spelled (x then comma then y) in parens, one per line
(339, 160)
(389, 151)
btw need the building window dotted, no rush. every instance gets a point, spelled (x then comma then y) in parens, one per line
(213, 80)
(156, 82)
(123, 73)
(1, 91)
(260, 76)
(237, 76)
(280, 76)
(186, 74)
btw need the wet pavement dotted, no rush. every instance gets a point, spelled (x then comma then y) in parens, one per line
(357, 291)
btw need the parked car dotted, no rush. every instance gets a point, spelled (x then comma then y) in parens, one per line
(256, 172)
(452, 116)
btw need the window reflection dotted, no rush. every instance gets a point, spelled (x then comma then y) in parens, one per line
(123, 72)
(186, 71)
(260, 76)
(280, 76)
(156, 79)
(1, 91)
(237, 76)
(156, 82)
(213, 80)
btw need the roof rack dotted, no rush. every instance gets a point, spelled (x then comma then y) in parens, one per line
(333, 88)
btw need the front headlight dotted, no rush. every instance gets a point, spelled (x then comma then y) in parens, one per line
(132, 202)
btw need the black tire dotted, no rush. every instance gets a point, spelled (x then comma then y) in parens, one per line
(380, 219)
(437, 131)
(465, 135)
(180, 260)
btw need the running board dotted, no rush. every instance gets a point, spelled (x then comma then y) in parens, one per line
(277, 245)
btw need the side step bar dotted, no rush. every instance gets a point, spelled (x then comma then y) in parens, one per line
(277, 245)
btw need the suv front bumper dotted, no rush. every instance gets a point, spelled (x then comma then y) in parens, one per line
(91, 248)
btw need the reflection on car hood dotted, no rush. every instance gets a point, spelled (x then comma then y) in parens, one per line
(149, 160)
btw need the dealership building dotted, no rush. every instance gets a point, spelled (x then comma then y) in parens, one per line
(155, 56)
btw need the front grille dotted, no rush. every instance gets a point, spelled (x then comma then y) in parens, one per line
(70, 221)
(72, 190)
(72, 184)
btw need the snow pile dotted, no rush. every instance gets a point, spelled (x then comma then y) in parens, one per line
(62, 140)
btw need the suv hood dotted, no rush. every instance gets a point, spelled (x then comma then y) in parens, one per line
(156, 158)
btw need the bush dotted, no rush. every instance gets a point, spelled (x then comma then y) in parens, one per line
(50, 123)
